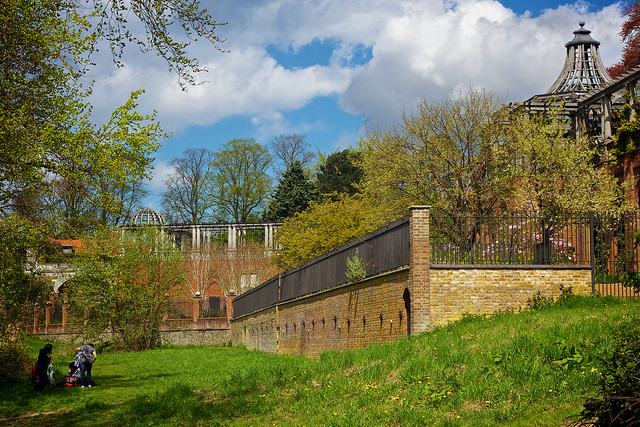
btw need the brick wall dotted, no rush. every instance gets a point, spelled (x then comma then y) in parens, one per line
(349, 317)
(411, 300)
(345, 317)
(468, 290)
(257, 331)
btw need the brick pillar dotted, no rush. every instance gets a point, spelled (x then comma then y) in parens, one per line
(47, 316)
(420, 269)
(230, 299)
(196, 308)
(35, 318)
(65, 315)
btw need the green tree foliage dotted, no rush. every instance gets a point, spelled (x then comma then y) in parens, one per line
(326, 226)
(123, 284)
(446, 154)
(99, 166)
(630, 34)
(38, 98)
(554, 173)
(187, 197)
(340, 172)
(20, 284)
(46, 47)
(240, 183)
(292, 195)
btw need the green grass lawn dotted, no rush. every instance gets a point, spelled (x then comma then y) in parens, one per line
(532, 368)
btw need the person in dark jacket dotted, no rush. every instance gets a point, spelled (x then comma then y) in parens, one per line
(86, 356)
(42, 366)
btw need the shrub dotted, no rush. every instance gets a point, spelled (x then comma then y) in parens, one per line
(15, 362)
(619, 402)
(356, 269)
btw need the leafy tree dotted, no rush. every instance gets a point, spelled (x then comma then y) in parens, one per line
(98, 166)
(555, 173)
(326, 226)
(187, 198)
(293, 194)
(291, 148)
(38, 99)
(240, 182)
(122, 285)
(46, 47)
(20, 284)
(447, 154)
(340, 172)
(630, 34)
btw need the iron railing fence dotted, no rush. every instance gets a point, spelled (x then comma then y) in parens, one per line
(616, 253)
(382, 250)
(509, 239)
(180, 309)
(213, 306)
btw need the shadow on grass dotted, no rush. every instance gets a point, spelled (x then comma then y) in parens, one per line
(124, 381)
(177, 404)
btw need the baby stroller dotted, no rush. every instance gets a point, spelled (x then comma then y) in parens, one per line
(42, 375)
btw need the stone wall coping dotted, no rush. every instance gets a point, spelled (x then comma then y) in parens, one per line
(508, 267)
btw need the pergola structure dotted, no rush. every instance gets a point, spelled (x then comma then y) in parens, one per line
(201, 234)
(585, 92)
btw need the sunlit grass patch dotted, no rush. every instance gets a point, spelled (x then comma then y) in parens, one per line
(510, 369)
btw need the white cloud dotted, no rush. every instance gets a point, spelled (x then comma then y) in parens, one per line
(161, 170)
(419, 48)
(245, 82)
(431, 53)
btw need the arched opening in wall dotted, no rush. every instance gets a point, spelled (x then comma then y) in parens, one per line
(407, 306)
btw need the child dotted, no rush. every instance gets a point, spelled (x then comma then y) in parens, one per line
(72, 379)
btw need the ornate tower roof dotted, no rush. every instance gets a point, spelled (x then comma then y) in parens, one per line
(146, 216)
(583, 69)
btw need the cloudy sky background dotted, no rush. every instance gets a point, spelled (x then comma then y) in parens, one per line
(329, 68)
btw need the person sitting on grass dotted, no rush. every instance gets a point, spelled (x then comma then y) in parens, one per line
(44, 368)
(86, 356)
(73, 377)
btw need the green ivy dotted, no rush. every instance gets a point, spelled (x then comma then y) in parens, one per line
(628, 132)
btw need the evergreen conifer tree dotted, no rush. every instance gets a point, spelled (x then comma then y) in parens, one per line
(292, 195)
(340, 173)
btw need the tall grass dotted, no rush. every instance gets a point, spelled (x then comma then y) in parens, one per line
(532, 368)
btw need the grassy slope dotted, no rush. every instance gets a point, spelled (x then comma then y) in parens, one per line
(531, 368)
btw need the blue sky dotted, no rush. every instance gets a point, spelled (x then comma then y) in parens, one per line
(329, 69)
